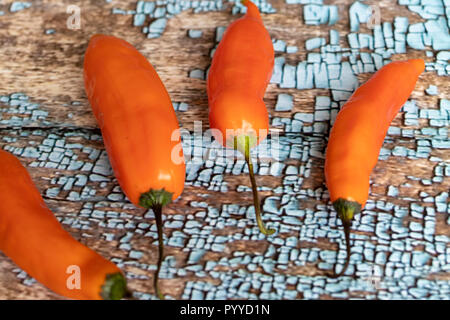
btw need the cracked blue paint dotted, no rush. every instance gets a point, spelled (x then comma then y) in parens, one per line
(397, 249)
(159, 12)
(18, 6)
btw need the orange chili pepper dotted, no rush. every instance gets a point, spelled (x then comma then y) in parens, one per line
(138, 124)
(358, 134)
(33, 238)
(237, 80)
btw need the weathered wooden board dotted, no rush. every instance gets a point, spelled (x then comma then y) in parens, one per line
(62, 147)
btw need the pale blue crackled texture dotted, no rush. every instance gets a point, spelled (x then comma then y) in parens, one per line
(17, 110)
(19, 5)
(195, 233)
(314, 14)
(157, 13)
(285, 102)
(432, 90)
(195, 33)
(396, 251)
(359, 13)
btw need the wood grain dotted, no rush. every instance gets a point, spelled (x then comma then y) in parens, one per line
(48, 68)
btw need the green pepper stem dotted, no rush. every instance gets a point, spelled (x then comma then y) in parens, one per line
(155, 200)
(114, 287)
(346, 224)
(346, 209)
(256, 202)
(157, 209)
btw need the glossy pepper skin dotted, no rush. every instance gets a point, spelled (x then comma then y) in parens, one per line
(135, 114)
(237, 80)
(138, 124)
(358, 134)
(33, 238)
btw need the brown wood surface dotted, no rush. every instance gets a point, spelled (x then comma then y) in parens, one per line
(48, 68)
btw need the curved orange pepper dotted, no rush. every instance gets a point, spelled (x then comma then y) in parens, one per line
(138, 124)
(33, 238)
(237, 80)
(358, 134)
